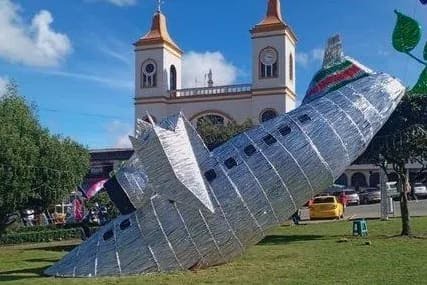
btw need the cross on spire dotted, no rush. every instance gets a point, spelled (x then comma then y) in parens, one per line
(159, 5)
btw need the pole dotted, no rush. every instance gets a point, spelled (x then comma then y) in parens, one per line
(385, 207)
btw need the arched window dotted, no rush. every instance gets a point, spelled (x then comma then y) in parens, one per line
(211, 118)
(149, 74)
(268, 115)
(291, 67)
(172, 83)
(268, 63)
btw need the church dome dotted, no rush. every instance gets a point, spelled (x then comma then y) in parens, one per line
(158, 34)
(273, 20)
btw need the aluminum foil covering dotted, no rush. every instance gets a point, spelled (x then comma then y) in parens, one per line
(195, 208)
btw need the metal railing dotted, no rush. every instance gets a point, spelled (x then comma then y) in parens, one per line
(207, 91)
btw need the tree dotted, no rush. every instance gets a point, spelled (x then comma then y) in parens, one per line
(36, 167)
(216, 134)
(63, 165)
(402, 139)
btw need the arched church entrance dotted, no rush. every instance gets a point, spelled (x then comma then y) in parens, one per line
(358, 180)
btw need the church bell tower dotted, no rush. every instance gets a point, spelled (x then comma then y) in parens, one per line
(273, 54)
(157, 62)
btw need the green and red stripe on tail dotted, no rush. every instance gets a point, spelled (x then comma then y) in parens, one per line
(333, 78)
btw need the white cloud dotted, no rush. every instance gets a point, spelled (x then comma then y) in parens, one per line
(122, 2)
(119, 132)
(196, 65)
(98, 78)
(302, 58)
(122, 56)
(317, 54)
(307, 58)
(123, 141)
(35, 44)
(3, 83)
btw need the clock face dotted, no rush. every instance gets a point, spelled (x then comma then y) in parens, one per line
(149, 68)
(268, 56)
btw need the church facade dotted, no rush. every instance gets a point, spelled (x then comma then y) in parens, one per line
(158, 71)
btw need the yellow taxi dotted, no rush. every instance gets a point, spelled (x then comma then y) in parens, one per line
(326, 207)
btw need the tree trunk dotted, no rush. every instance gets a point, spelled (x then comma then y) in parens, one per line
(3, 225)
(404, 191)
(2, 229)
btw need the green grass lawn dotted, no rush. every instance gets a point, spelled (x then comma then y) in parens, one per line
(306, 254)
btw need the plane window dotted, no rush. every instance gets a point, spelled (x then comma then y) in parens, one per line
(210, 175)
(108, 235)
(230, 163)
(304, 118)
(250, 150)
(269, 139)
(125, 224)
(284, 130)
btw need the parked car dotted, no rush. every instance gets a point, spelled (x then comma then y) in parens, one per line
(419, 190)
(326, 207)
(310, 202)
(351, 196)
(392, 190)
(334, 188)
(370, 195)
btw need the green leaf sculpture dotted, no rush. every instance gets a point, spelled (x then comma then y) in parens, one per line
(407, 33)
(421, 86)
(425, 52)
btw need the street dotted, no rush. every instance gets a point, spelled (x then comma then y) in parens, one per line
(416, 208)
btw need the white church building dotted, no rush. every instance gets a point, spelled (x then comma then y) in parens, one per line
(158, 71)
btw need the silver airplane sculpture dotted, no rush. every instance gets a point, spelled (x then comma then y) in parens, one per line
(184, 207)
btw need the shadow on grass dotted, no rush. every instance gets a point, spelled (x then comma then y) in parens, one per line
(50, 260)
(414, 237)
(22, 274)
(4, 278)
(57, 248)
(286, 239)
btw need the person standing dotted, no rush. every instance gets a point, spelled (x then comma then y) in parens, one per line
(342, 198)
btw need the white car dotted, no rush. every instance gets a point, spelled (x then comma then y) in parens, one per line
(351, 195)
(392, 190)
(420, 190)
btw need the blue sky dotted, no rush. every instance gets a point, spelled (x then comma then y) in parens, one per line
(74, 59)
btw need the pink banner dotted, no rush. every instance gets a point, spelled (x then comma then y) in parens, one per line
(78, 211)
(94, 188)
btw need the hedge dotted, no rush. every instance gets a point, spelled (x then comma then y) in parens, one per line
(41, 236)
(32, 229)
(50, 227)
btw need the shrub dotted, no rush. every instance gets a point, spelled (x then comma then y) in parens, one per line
(41, 236)
(50, 227)
(32, 229)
